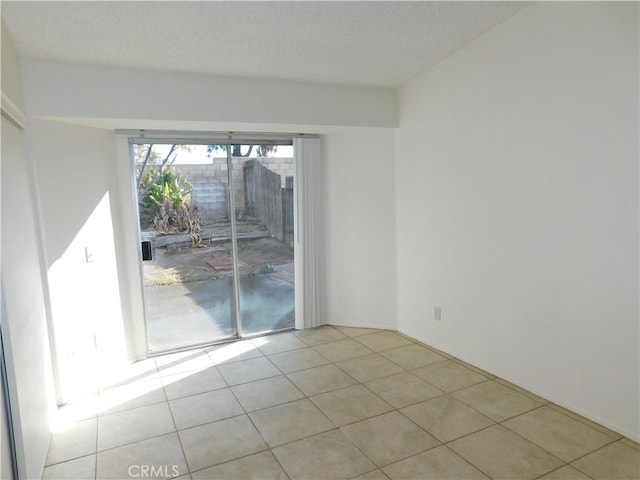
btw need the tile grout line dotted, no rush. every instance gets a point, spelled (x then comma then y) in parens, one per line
(465, 459)
(269, 449)
(585, 421)
(305, 396)
(308, 398)
(499, 422)
(564, 462)
(543, 448)
(448, 445)
(358, 383)
(394, 409)
(486, 379)
(560, 468)
(441, 443)
(175, 425)
(246, 413)
(99, 414)
(95, 470)
(405, 370)
(590, 453)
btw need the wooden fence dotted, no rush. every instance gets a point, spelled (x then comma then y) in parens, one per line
(287, 211)
(267, 200)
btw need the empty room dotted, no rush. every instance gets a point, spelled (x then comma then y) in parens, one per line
(320, 240)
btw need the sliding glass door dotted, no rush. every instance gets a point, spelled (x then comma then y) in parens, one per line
(265, 242)
(216, 240)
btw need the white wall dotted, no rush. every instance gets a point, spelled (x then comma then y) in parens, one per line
(23, 319)
(10, 72)
(360, 227)
(122, 98)
(6, 452)
(24, 323)
(55, 89)
(76, 186)
(517, 206)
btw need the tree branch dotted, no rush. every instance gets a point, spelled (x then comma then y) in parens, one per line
(144, 164)
(166, 159)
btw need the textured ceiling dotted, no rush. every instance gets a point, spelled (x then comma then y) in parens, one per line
(360, 43)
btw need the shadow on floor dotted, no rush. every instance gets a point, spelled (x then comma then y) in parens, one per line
(204, 311)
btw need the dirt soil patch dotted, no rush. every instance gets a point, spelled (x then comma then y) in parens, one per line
(184, 263)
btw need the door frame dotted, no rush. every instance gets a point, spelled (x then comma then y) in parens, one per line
(134, 307)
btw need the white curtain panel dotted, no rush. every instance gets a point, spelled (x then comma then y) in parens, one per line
(309, 235)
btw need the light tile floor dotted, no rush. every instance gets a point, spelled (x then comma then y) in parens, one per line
(332, 402)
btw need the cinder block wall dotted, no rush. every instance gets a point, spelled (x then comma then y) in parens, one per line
(210, 183)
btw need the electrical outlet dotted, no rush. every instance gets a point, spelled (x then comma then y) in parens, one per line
(437, 314)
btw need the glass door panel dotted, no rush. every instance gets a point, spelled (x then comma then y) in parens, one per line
(203, 216)
(183, 203)
(264, 221)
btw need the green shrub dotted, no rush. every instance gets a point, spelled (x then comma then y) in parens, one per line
(166, 206)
